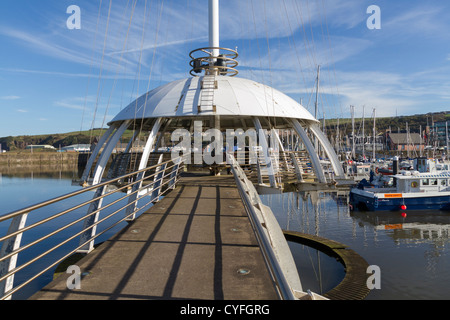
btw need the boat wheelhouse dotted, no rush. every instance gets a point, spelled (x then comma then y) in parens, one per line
(411, 191)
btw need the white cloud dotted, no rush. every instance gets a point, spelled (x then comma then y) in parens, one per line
(414, 20)
(395, 93)
(10, 98)
(40, 45)
(77, 105)
(43, 72)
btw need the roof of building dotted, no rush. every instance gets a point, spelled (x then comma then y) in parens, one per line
(45, 146)
(402, 138)
(233, 97)
(77, 147)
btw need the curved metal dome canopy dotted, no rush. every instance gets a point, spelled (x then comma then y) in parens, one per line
(231, 96)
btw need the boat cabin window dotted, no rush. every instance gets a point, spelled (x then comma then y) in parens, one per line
(433, 182)
(425, 182)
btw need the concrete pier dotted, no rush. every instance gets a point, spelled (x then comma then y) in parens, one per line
(197, 243)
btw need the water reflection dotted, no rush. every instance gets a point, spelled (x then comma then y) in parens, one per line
(415, 227)
(411, 250)
(57, 171)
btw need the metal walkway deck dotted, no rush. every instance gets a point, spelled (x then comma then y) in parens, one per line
(197, 243)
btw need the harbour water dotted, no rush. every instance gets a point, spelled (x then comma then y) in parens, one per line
(412, 252)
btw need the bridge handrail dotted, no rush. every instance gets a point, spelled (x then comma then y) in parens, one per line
(268, 237)
(11, 243)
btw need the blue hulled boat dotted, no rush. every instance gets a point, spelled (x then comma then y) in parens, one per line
(412, 190)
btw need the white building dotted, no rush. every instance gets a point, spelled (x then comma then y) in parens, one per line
(77, 148)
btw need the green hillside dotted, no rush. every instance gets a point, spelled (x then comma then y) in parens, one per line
(383, 124)
(60, 140)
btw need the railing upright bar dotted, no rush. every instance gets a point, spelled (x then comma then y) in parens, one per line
(91, 220)
(297, 166)
(8, 247)
(173, 174)
(157, 183)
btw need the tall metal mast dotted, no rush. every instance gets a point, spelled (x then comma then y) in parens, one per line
(214, 38)
(218, 61)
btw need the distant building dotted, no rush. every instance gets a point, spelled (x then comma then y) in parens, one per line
(441, 131)
(366, 143)
(77, 148)
(404, 142)
(40, 147)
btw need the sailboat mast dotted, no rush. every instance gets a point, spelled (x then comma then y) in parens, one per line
(363, 137)
(337, 137)
(317, 91)
(446, 137)
(407, 140)
(352, 109)
(374, 136)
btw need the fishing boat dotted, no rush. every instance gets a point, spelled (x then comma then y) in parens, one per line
(411, 190)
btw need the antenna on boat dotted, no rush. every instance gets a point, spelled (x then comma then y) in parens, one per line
(217, 61)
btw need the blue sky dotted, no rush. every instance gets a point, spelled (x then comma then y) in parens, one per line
(54, 79)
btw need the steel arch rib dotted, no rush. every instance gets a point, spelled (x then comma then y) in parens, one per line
(338, 170)
(311, 151)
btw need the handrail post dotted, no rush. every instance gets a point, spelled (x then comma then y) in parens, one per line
(297, 166)
(158, 182)
(9, 246)
(258, 171)
(90, 223)
(174, 174)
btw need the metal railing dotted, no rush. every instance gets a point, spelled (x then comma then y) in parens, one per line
(38, 254)
(287, 166)
(224, 63)
(270, 236)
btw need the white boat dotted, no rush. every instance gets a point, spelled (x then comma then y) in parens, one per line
(412, 190)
